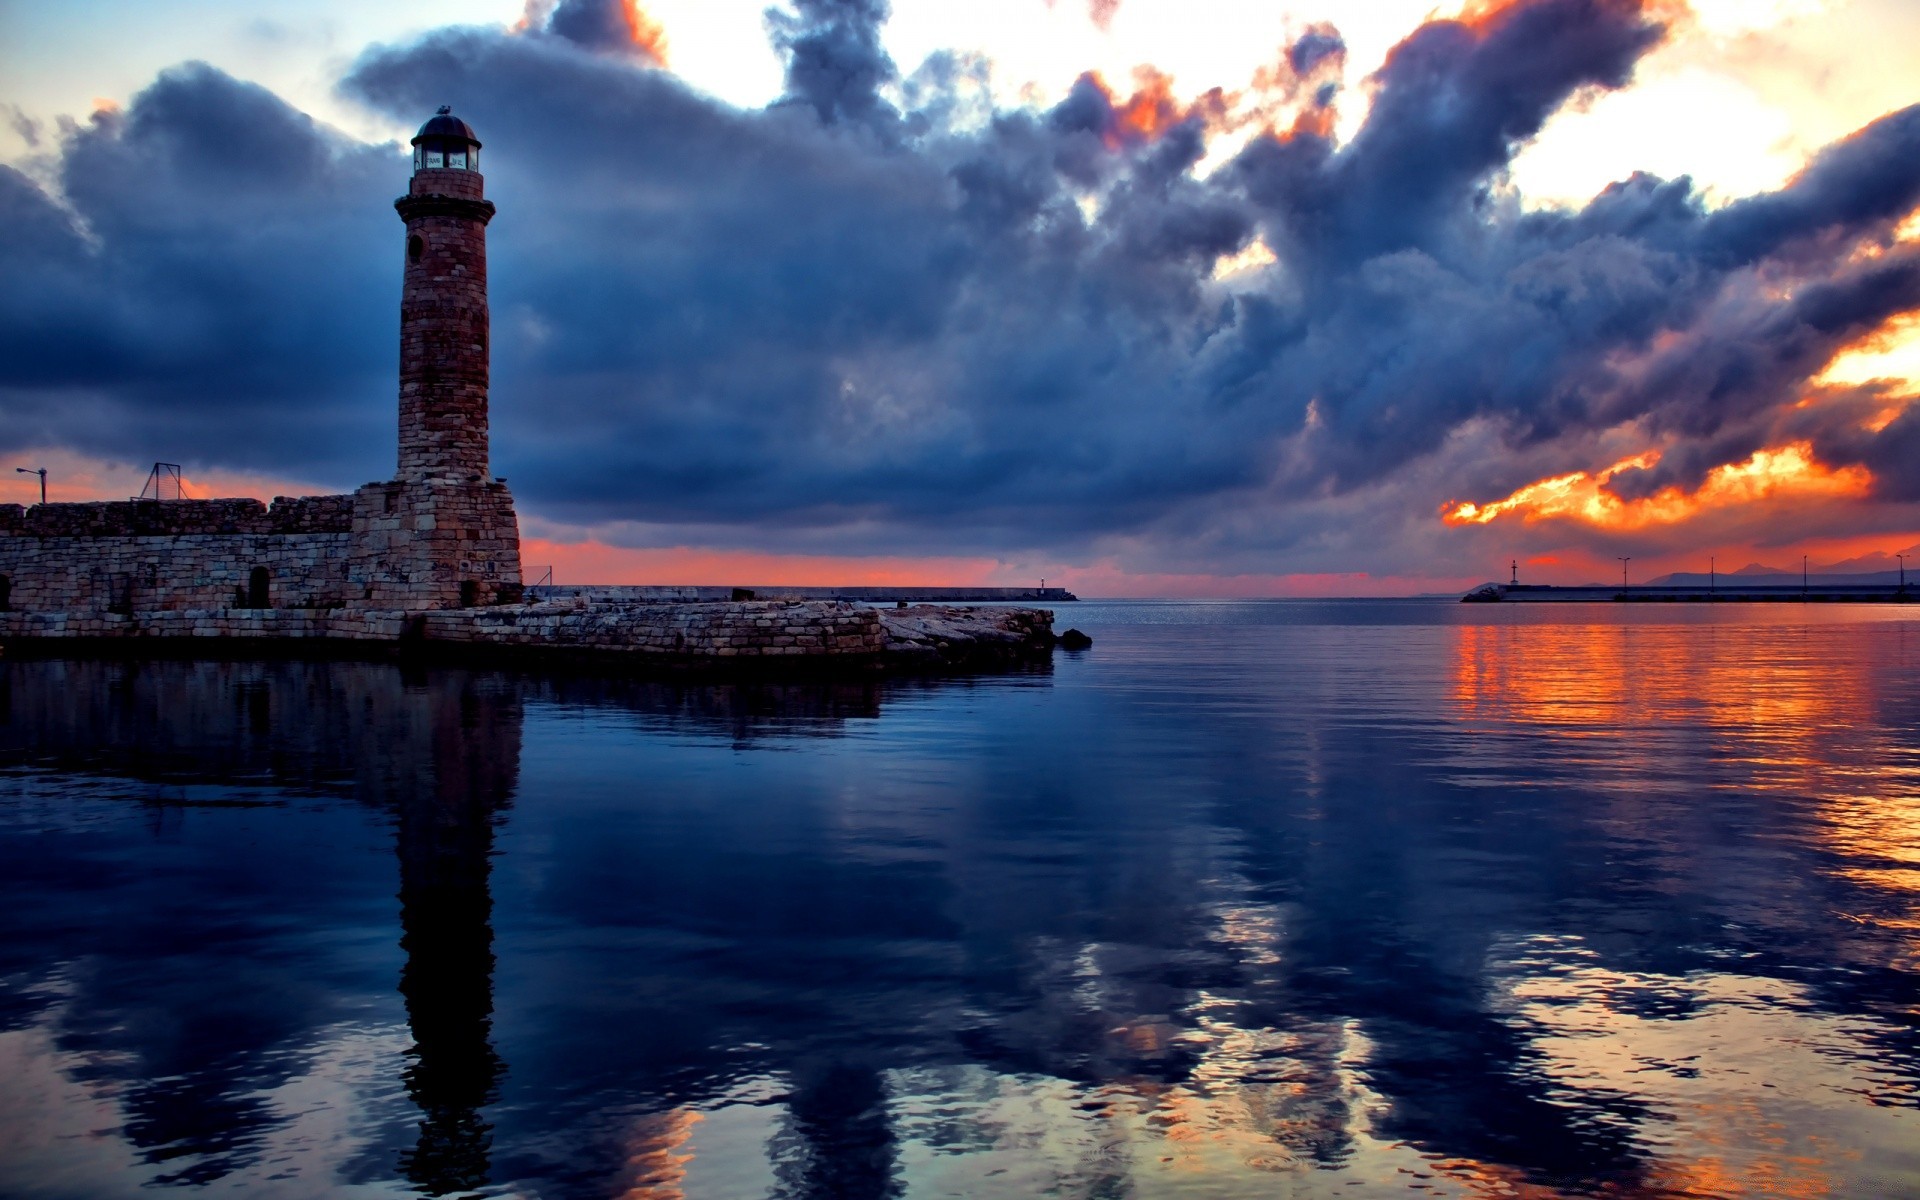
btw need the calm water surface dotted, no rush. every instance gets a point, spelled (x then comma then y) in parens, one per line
(1250, 900)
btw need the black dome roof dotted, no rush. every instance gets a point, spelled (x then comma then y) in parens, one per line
(445, 124)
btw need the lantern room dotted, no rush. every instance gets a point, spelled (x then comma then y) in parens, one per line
(446, 142)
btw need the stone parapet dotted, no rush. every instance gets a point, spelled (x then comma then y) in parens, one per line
(446, 183)
(311, 514)
(143, 518)
(175, 518)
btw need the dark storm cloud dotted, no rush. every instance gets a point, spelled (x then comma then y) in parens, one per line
(1861, 183)
(210, 292)
(1454, 103)
(1892, 455)
(26, 128)
(873, 316)
(835, 63)
(1310, 50)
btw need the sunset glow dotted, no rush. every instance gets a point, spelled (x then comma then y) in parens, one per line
(649, 38)
(1788, 471)
(1252, 258)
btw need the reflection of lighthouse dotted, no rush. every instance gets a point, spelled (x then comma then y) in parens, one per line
(839, 1143)
(454, 763)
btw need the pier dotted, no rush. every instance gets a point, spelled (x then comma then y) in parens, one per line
(863, 594)
(1735, 592)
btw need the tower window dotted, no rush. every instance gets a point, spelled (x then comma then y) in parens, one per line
(436, 159)
(457, 158)
(415, 248)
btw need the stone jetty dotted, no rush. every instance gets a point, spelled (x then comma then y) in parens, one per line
(731, 636)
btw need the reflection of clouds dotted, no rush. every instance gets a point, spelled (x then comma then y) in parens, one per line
(58, 1109)
(50, 1102)
(1745, 1086)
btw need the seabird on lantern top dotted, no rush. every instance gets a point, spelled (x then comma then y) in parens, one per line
(446, 141)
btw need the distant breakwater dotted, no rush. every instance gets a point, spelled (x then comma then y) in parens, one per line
(1723, 593)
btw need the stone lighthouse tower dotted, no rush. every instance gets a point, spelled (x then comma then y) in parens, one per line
(442, 533)
(443, 307)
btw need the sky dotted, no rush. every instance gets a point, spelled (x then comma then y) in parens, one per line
(1136, 296)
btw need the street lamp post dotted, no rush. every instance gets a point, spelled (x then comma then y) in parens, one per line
(1803, 577)
(42, 473)
(1713, 578)
(1623, 574)
(1903, 571)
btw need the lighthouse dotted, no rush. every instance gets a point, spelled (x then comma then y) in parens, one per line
(443, 307)
(442, 533)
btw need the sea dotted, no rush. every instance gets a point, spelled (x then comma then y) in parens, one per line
(1250, 899)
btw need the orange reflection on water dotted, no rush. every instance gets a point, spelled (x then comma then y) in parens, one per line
(1779, 699)
(656, 1168)
(1776, 708)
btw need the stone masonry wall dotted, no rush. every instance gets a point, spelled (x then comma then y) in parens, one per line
(750, 629)
(174, 554)
(767, 629)
(415, 543)
(152, 518)
(443, 327)
(311, 514)
(389, 545)
(176, 571)
(718, 633)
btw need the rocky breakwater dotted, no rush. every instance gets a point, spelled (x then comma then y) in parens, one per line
(742, 635)
(935, 633)
(662, 632)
